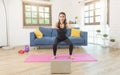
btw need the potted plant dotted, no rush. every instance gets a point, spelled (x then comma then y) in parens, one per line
(98, 31)
(112, 43)
(105, 35)
(112, 40)
(76, 19)
(105, 40)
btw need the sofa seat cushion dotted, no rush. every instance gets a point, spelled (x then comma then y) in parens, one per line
(62, 43)
(54, 32)
(43, 41)
(76, 40)
(52, 41)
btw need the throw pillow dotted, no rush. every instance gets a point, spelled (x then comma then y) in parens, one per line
(38, 33)
(75, 32)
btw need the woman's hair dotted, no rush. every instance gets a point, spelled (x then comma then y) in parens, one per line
(64, 20)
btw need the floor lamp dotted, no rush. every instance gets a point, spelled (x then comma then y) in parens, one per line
(7, 46)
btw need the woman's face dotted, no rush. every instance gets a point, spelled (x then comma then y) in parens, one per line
(62, 17)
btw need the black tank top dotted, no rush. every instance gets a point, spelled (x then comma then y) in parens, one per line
(61, 33)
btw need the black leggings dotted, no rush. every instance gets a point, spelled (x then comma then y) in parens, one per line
(56, 43)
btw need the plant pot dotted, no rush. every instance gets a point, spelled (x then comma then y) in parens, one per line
(105, 42)
(113, 44)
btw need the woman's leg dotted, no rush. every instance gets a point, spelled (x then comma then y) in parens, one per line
(70, 46)
(56, 41)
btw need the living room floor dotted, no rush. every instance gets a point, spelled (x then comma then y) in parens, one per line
(108, 62)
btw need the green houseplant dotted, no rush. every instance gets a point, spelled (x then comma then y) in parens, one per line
(98, 31)
(105, 40)
(105, 35)
(112, 40)
(113, 43)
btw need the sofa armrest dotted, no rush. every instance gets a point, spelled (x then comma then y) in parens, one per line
(32, 38)
(84, 35)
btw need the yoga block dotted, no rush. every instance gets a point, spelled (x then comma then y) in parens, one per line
(61, 66)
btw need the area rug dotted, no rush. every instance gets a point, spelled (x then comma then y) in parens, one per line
(48, 58)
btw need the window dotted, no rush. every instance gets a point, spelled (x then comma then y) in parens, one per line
(92, 13)
(36, 14)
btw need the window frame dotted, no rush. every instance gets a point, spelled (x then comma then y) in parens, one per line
(37, 5)
(108, 11)
(94, 13)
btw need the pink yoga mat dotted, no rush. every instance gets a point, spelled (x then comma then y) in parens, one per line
(48, 58)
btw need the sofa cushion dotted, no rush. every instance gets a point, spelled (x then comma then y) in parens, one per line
(52, 41)
(46, 31)
(76, 40)
(63, 43)
(75, 32)
(68, 32)
(54, 33)
(38, 33)
(43, 41)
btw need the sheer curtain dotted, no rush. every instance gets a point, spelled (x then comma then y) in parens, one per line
(103, 20)
(5, 26)
(3, 35)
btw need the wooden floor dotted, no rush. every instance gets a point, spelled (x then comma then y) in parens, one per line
(12, 63)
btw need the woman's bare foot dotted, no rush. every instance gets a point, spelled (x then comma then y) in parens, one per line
(54, 57)
(70, 57)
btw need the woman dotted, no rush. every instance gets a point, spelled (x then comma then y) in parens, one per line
(61, 27)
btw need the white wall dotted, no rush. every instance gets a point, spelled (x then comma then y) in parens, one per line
(58, 6)
(115, 19)
(19, 35)
(75, 9)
